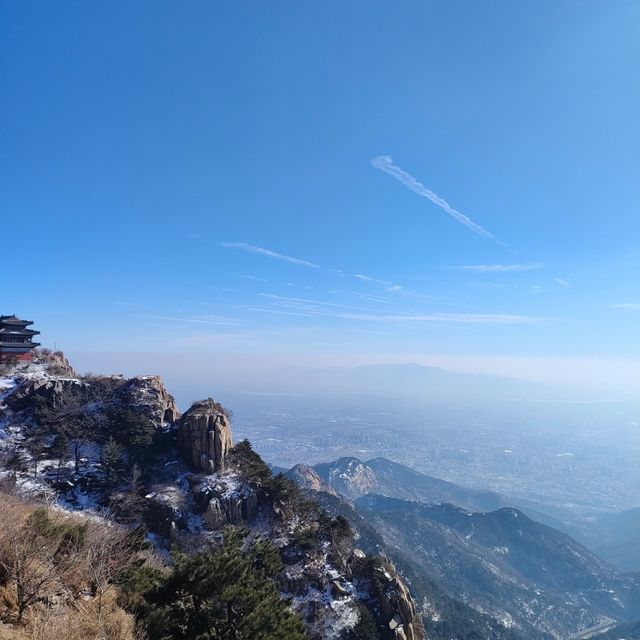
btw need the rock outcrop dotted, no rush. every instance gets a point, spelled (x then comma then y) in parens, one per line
(204, 435)
(349, 476)
(145, 395)
(149, 397)
(50, 390)
(307, 478)
(226, 502)
(396, 605)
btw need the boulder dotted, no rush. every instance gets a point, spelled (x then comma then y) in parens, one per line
(204, 436)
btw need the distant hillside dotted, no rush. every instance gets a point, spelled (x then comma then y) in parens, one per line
(354, 478)
(517, 570)
(616, 538)
(444, 617)
(400, 380)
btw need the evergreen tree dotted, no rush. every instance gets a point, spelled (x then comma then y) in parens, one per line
(60, 451)
(112, 462)
(365, 629)
(15, 460)
(136, 434)
(227, 593)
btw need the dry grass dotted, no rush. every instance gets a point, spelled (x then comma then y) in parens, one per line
(82, 622)
(62, 610)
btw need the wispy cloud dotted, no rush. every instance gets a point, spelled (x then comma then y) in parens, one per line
(207, 319)
(261, 251)
(315, 308)
(248, 277)
(452, 318)
(126, 304)
(563, 283)
(385, 163)
(635, 306)
(361, 276)
(499, 268)
(389, 286)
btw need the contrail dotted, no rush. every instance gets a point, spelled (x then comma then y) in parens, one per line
(261, 251)
(499, 268)
(385, 163)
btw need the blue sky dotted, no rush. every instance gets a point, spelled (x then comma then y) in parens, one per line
(453, 183)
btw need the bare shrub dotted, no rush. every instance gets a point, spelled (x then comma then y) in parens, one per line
(108, 553)
(82, 622)
(38, 552)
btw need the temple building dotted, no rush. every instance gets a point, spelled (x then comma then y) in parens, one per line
(16, 341)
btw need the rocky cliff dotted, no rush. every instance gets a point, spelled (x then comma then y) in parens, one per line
(115, 446)
(307, 478)
(204, 435)
(145, 395)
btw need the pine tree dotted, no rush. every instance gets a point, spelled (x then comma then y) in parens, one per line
(227, 593)
(365, 629)
(60, 451)
(112, 461)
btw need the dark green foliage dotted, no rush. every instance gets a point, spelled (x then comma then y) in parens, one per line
(227, 593)
(281, 489)
(372, 569)
(14, 460)
(265, 558)
(304, 537)
(36, 445)
(136, 581)
(60, 446)
(60, 451)
(249, 464)
(137, 539)
(68, 534)
(135, 433)
(340, 528)
(112, 462)
(365, 629)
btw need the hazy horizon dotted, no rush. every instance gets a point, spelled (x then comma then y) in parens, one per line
(274, 185)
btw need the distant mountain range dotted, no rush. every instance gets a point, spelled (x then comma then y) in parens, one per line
(472, 546)
(353, 478)
(502, 562)
(399, 380)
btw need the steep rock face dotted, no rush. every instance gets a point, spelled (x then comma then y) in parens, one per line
(150, 398)
(224, 500)
(349, 476)
(55, 363)
(204, 435)
(307, 478)
(396, 604)
(145, 395)
(53, 391)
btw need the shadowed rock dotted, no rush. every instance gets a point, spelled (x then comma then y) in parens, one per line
(204, 435)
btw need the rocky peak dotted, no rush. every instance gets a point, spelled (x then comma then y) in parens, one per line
(145, 395)
(150, 397)
(204, 435)
(349, 476)
(307, 478)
